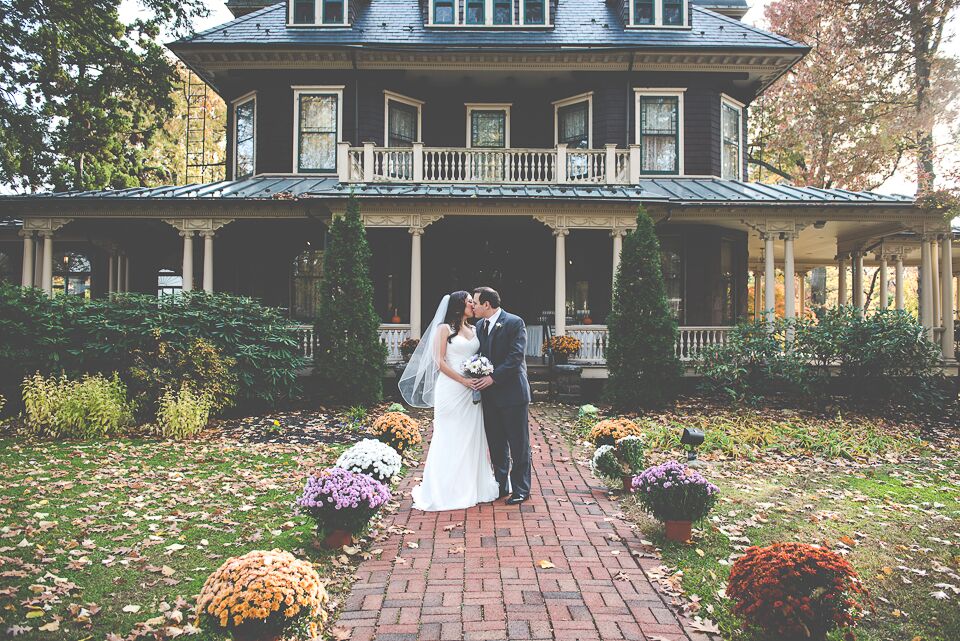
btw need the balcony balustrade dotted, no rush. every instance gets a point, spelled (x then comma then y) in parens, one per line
(419, 164)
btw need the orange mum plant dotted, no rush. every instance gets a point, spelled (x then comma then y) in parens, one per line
(397, 430)
(263, 595)
(563, 345)
(796, 591)
(611, 430)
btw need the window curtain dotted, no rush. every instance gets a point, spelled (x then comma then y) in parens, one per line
(659, 134)
(731, 143)
(318, 133)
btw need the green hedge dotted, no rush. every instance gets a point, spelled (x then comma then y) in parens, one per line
(72, 335)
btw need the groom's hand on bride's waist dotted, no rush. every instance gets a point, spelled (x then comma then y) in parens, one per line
(484, 383)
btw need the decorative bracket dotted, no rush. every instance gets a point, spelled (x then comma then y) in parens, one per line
(48, 225)
(190, 225)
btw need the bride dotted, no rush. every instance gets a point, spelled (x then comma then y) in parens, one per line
(458, 473)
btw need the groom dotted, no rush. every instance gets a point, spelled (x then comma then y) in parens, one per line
(506, 393)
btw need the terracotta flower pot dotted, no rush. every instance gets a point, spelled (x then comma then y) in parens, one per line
(335, 539)
(678, 531)
(628, 482)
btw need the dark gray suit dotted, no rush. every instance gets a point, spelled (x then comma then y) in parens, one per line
(505, 402)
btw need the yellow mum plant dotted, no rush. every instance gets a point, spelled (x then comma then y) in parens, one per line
(263, 595)
(563, 345)
(397, 430)
(611, 430)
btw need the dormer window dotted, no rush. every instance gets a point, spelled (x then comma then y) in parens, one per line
(534, 12)
(327, 13)
(474, 12)
(444, 12)
(658, 13)
(489, 13)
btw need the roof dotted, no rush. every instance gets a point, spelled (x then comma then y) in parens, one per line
(666, 190)
(577, 23)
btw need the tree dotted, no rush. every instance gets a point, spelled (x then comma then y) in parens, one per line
(641, 357)
(83, 93)
(349, 357)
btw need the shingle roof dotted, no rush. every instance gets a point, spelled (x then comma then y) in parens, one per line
(577, 23)
(669, 190)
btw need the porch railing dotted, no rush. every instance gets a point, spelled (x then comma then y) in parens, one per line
(391, 335)
(690, 341)
(420, 164)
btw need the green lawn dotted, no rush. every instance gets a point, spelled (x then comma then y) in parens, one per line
(102, 539)
(896, 518)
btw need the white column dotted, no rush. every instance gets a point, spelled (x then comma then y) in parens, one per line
(946, 281)
(769, 280)
(757, 294)
(803, 293)
(842, 281)
(617, 249)
(858, 301)
(926, 288)
(899, 298)
(560, 283)
(187, 260)
(416, 281)
(47, 277)
(26, 277)
(883, 283)
(208, 262)
(789, 279)
(935, 289)
(38, 263)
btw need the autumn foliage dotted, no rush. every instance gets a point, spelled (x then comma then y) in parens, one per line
(397, 430)
(795, 591)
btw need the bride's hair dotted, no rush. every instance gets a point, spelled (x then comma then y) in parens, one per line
(456, 306)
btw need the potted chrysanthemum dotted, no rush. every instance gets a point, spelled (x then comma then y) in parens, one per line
(397, 430)
(620, 461)
(675, 495)
(263, 596)
(341, 502)
(372, 457)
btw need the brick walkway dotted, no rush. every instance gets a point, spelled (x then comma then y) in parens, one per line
(473, 574)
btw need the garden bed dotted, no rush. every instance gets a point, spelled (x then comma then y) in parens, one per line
(882, 497)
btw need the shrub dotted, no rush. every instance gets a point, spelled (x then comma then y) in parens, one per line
(674, 492)
(167, 365)
(795, 591)
(587, 416)
(373, 458)
(183, 414)
(641, 351)
(610, 430)
(349, 358)
(93, 406)
(605, 463)
(264, 594)
(562, 345)
(397, 407)
(397, 430)
(338, 499)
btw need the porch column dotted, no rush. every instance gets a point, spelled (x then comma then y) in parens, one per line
(208, 262)
(789, 279)
(883, 283)
(38, 263)
(858, 301)
(946, 280)
(803, 293)
(926, 287)
(125, 274)
(416, 284)
(935, 291)
(841, 280)
(47, 277)
(757, 294)
(769, 280)
(26, 278)
(617, 249)
(560, 283)
(899, 298)
(187, 260)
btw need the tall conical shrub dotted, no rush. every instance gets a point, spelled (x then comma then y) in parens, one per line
(644, 371)
(349, 357)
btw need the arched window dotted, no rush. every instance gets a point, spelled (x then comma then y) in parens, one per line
(169, 283)
(305, 286)
(71, 274)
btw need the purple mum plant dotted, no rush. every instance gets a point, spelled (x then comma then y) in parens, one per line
(674, 492)
(339, 499)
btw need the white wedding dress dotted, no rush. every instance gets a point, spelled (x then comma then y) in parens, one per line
(458, 473)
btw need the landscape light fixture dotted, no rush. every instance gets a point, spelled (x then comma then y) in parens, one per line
(692, 438)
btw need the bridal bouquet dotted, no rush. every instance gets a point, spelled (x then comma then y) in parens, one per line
(477, 367)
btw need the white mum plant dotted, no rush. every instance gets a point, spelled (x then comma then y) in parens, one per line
(372, 457)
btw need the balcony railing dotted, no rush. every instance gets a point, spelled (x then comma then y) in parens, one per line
(419, 164)
(391, 335)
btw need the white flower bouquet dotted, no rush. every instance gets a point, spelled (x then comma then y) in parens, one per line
(477, 366)
(372, 457)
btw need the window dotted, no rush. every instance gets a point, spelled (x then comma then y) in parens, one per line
(659, 126)
(304, 12)
(169, 282)
(244, 136)
(502, 12)
(731, 115)
(671, 263)
(573, 121)
(317, 120)
(71, 274)
(474, 12)
(534, 12)
(443, 12)
(488, 126)
(643, 12)
(728, 291)
(658, 13)
(7, 269)
(403, 121)
(673, 12)
(306, 277)
(333, 11)
(318, 12)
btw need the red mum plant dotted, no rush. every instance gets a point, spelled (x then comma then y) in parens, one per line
(796, 591)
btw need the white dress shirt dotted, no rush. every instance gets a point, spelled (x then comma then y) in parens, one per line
(492, 321)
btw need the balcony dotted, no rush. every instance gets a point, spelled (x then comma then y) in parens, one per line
(419, 164)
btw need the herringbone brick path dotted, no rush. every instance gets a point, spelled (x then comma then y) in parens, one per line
(474, 574)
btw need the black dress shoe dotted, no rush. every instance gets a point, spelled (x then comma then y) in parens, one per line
(517, 499)
(503, 493)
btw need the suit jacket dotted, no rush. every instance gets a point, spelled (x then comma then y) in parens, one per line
(506, 347)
